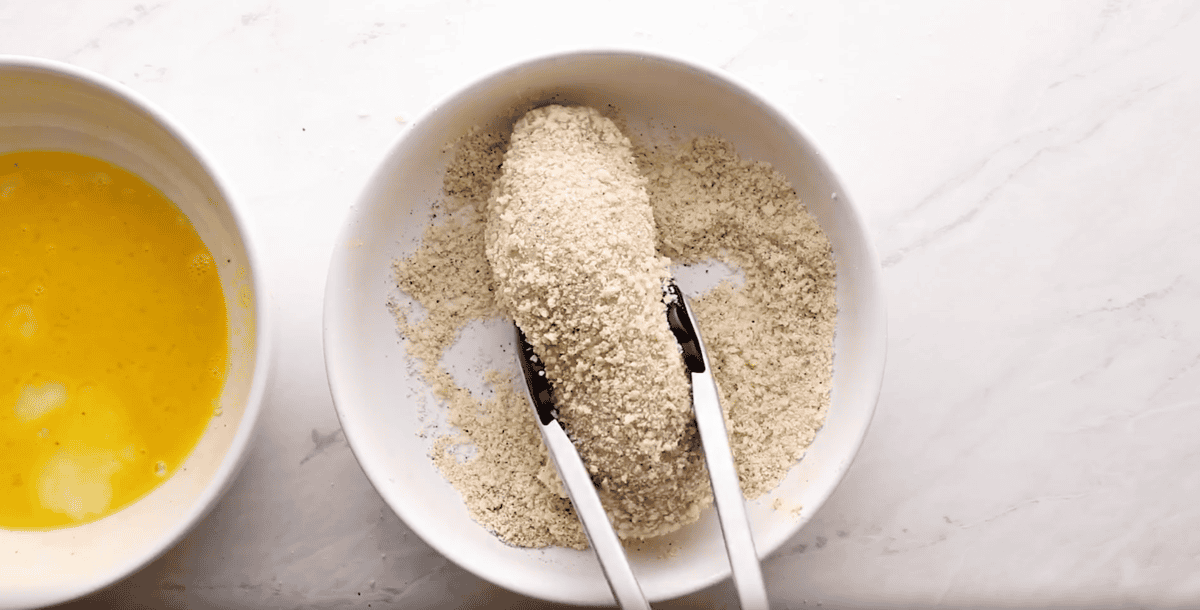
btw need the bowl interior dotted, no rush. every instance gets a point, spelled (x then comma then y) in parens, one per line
(49, 106)
(380, 400)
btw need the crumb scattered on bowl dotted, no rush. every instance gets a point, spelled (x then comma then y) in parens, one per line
(770, 336)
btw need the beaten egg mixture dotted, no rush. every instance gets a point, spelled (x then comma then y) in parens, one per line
(113, 339)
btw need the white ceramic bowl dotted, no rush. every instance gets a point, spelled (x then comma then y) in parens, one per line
(378, 398)
(53, 106)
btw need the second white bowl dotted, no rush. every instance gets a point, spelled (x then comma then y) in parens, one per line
(48, 105)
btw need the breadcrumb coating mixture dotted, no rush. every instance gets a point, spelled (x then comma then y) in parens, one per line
(571, 240)
(770, 338)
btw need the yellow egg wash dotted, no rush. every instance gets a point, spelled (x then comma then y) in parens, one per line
(113, 339)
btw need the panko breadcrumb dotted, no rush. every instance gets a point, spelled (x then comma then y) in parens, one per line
(769, 338)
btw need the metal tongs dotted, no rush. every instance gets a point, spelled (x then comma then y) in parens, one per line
(710, 421)
(718, 456)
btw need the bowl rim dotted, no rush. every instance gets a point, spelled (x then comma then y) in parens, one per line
(235, 457)
(377, 472)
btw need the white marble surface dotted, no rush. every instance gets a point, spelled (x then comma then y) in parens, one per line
(1030, 171)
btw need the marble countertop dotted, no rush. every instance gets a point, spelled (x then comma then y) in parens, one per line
(1030, 172)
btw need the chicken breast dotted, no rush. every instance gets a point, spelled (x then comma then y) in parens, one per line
(571, 240)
